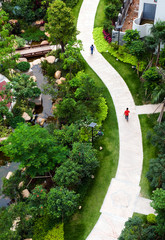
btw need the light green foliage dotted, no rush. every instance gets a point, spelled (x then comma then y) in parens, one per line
(68, 174)
(5, 131)
(34, 148)
(37, 201)
(11, 187)
(61, 203)
(151, 218)
(57, 233)
(60, 24)
(85, 156)
(158, 204)
(103, 46)
(41, 227)
(102, 112)
(131, 36)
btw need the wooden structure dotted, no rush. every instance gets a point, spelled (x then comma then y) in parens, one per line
(34, 50)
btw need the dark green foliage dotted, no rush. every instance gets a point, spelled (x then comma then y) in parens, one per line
(130, 36)
(14, 121)
(135, 228)
(33, 34)
(158, 137)
(156, 172)
(68, 174)
(34, 148)
(107, 26)
(11, 187)
(111, 12)
(67, 135)
(85, 156)
(61, 203)
(37, 201)
(23, 66)
(158, 204)
(162, 58)
(70, 3)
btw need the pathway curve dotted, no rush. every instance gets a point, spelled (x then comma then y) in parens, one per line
(122, 196)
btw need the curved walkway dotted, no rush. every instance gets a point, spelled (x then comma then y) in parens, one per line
(122, 198)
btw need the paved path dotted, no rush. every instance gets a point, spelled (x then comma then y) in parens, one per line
(149, 108)
(123, 193)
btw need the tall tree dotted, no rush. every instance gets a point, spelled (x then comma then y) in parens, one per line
(158, 33)
(34, 148)
(60, 24)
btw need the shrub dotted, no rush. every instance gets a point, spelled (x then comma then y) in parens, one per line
(20, 42)
(70, 3)
(107, 36)
(13, 122)
(57, 233)
(151, 218)
(23, 66)
(33, 34)
(41, 227)
(107, 26)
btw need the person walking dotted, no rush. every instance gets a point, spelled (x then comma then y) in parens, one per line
(91, 48)
(126, 113)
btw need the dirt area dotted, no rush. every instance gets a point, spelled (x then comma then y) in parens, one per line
(131, 15)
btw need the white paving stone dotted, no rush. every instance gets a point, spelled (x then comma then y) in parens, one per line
(149, 108)
(122, 196)
(143, 206)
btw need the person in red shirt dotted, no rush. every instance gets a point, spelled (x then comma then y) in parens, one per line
(126, 113)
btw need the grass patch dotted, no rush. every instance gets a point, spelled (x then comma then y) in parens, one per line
(76, 10)
(130, 77)
(149, 151)
(100, 16)
(83, 221)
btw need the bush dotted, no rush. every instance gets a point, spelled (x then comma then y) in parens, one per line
(70, 3)
(57, 233)
(33, 34)
(20, 42)
(23, 66)
(151, 218)
(41, 227)
(13, 122)
(107, 36)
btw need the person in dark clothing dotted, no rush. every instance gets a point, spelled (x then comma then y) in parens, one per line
(92, 48)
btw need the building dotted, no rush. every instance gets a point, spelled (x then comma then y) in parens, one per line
(150, 11)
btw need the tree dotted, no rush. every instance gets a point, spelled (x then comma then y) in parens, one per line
(111, 12)
(68, 174)
(158, 33)
(23, 88)
(60, 24)
(137, 49)
(34, 148)
(85, 156)
(37, 201)
(61, 203)
(156, 172)
(152, 78)
(130, 36)
(158, 204)
(157, 139)
(7, 56)
(72, 58)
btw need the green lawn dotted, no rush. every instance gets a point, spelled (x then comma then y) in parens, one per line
(147, 123)
(76, 10)
(99, 17)
(82, 222)
(130, 77)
